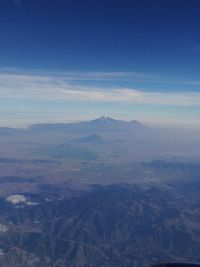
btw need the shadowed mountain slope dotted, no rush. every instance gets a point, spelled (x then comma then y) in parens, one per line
(117, 225)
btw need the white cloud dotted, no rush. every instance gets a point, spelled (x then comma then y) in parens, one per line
(133, 96)
(57, 88)
(16, 199)
(3, 229)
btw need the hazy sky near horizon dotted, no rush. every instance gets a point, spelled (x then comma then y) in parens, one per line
(67, 60)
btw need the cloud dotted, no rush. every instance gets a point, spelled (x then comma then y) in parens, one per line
(57, 88)
(106, 76)
(19, 199)
(133, 96)
(16, 199)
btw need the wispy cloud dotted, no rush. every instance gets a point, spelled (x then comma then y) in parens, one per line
(58, 88)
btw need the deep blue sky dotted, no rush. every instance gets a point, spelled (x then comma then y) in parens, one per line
(102, 35)
(157, 39)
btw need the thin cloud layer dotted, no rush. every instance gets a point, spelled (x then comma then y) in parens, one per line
(58, 88)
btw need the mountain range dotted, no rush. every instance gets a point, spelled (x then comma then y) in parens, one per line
(108, 226)
(102, 123)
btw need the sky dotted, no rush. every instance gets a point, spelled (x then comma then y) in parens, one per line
(71, 60)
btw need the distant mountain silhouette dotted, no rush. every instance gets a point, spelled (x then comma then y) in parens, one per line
(110, 121)
(92, 138)
(102, 123)
(105, 119)
(9, 131)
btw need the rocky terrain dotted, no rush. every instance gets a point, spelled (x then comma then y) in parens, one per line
(116, 225)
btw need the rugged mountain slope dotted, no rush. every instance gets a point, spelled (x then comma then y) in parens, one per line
(117, 225)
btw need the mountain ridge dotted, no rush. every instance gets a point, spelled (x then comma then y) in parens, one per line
(103, 121)
(111, 226)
